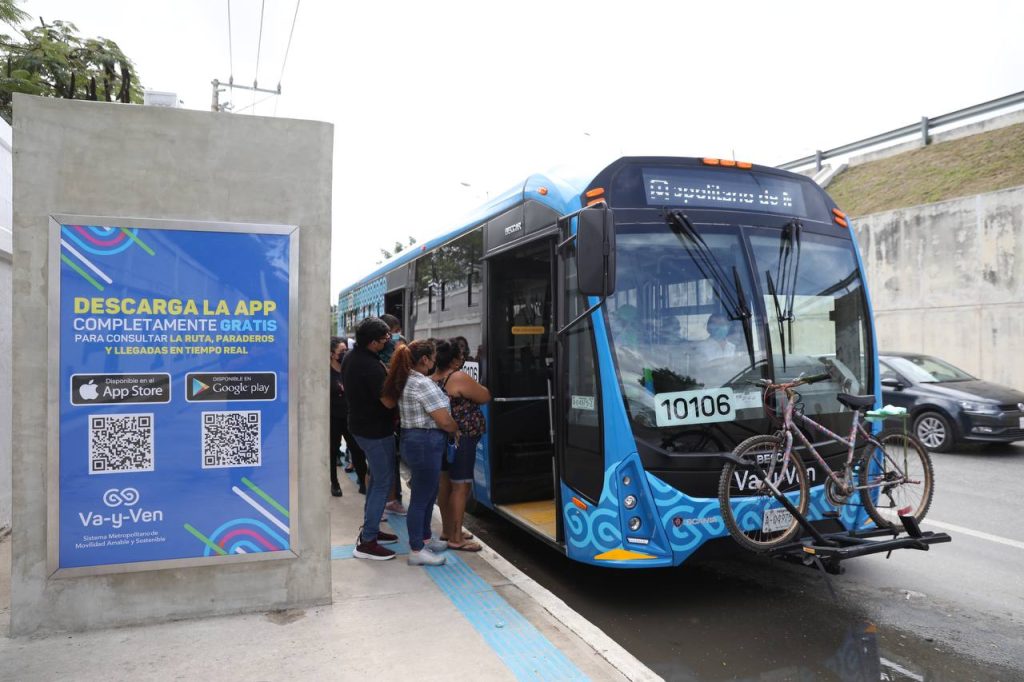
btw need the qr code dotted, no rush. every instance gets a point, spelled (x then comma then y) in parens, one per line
(121, 443)
(231, 439)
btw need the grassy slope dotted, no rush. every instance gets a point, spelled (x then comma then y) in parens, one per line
(972, 165)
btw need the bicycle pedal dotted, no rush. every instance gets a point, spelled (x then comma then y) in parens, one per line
(831, 515)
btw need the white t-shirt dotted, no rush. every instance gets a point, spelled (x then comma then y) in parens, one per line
(711, 349)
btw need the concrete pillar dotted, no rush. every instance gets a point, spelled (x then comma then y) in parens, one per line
(91, 158)
(5, 327)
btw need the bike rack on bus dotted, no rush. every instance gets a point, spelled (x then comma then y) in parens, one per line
(827, 550)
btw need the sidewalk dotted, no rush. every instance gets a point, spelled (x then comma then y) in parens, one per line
(476, 618)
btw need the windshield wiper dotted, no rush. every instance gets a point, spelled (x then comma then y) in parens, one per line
(789, 266)
(779, 318)
(704, 258)
(745, 315)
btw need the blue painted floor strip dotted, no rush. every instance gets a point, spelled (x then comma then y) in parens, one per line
(527, 653)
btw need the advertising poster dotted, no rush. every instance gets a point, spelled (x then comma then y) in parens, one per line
(173, 374)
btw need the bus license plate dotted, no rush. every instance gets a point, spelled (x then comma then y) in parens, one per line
(681, 408)
(775, 520)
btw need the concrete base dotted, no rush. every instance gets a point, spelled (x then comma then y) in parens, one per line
(90, 158)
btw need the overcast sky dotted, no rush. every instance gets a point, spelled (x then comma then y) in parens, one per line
(428, 96)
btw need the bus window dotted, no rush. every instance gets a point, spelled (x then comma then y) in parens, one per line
(828, 314)
(678, 324)
(447, 298)
(583, 466)
(454, 263)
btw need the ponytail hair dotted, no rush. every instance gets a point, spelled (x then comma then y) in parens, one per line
(402, 361)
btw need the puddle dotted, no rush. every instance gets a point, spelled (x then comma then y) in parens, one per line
(747, 619)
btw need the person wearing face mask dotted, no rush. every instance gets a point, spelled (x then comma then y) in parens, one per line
(717, 344)
(427, 424)
(371, 421)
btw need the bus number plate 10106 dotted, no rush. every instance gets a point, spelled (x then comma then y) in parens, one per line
(694, 407)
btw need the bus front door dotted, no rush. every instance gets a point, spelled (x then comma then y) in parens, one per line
(521, 344)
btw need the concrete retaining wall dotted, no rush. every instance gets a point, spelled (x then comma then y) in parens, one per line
(91, 158)
(947, 279)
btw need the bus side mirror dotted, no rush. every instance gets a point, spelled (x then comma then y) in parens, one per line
(595, 251)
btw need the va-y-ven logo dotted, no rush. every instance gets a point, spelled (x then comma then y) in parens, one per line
(120, 497)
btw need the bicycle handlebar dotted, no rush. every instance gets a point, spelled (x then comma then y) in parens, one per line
(813, 378)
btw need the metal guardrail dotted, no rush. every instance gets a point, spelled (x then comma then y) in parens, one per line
(922, 129)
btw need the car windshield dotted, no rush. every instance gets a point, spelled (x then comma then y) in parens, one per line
(922, 369)
(690, 333)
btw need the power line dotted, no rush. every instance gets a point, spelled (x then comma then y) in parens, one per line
(231, 57)
(254, 104)
(289, 47)
(259, 43)
(215, 104)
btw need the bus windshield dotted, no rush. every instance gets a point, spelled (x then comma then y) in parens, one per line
(695, 320)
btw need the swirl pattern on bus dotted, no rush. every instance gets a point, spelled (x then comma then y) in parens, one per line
(700, 517)
(596, 530)
(686, 522)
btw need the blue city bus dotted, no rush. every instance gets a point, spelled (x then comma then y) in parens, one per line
(619, 321)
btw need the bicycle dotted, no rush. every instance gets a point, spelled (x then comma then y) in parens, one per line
(893, 474)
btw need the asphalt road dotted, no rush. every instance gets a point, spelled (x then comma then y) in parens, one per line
(955, 612)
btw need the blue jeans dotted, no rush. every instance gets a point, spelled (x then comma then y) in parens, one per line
(380, 458)
(422, 450)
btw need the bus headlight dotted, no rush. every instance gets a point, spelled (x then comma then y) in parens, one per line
(634, 524)
(630, 501)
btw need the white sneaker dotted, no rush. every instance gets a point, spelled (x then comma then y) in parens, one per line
(436, 546)
(425, 557)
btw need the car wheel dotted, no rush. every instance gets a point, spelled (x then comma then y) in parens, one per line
(935, 431)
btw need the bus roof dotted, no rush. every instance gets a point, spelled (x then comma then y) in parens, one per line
(564, 185)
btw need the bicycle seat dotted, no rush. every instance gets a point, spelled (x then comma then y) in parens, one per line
(856, 402)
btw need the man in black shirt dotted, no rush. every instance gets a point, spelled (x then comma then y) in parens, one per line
(372, 423)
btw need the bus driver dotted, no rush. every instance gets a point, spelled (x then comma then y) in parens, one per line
(717, 345)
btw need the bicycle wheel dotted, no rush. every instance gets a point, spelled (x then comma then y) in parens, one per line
(754, 517)
(896, 479)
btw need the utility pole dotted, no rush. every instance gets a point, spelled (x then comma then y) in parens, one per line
(215, 104)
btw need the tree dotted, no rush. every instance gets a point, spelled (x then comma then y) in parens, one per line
(399, 247)
(450, 266)
(11, 14)
(54, 61)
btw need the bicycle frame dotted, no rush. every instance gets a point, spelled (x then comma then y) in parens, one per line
(790, 427)
(861, 474)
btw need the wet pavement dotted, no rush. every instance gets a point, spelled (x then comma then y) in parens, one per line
(953, 613)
